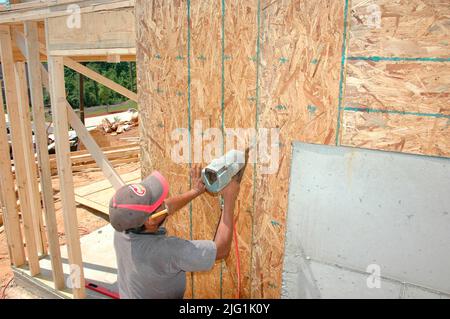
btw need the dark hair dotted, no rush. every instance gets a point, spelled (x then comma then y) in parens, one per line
(136, 230)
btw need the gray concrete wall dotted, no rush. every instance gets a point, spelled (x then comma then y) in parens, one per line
(350, 208)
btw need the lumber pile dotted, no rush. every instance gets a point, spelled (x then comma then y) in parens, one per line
(82, 160)
(119, 126)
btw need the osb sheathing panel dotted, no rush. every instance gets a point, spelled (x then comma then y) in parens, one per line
(288, 79)
(206, 75)
(398, 71)
(401, 133)
(240, 26)
(406, 28)
(300, 57)
(400, 86)
(162, 36)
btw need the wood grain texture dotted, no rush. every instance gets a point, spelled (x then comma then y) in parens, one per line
(41, 138)
(206, 79)
(402, 28)
(289, 79)
(163, 99)
(401, 86)
(59, 115)
(240, 31)
(398, 74)
(300, 57)
(97, 30)
(8, 198)
(12, 104)
(400, 133)
(298, 84)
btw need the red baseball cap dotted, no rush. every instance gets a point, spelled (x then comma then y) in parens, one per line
(132, 204)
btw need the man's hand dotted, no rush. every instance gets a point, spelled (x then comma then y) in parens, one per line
(196, 178)
(231, 191)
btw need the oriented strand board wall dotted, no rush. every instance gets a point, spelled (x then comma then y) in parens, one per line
(284, 64)
(397, 88)
(251, 64)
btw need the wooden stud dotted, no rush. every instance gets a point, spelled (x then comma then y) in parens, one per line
(96, 152)
(8, 194)
(99, 78)
(59, 111)
(37, 102)
(94, 149)
(17, 145)
(28, 152)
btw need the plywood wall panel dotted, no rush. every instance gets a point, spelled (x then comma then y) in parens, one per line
(400, 28)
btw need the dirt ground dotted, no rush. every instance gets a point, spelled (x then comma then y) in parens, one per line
(88, 219)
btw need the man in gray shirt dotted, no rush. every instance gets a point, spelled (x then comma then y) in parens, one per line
(150, 263)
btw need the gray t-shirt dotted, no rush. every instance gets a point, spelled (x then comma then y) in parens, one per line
(154, 266)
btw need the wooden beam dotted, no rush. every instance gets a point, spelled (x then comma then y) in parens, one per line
(41, 137)
(94, 149)
(99, 78)
(56, 8)
(28, 153)
(59, 112)
(17, 145)
(8, 194)
(82, 132)
(87, 52)
(88, 55)
(96, 152)
(78, 67)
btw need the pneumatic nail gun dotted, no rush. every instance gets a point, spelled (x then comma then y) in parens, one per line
(222, 170)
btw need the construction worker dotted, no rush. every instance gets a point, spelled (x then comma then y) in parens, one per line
(150, 263)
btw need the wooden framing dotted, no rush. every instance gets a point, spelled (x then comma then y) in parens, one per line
(28, 152)
(104, 31)
(37, 102)
(317, 70)
(58, 98)
(88, 141)
(8, 68)
(76, 123)
(20, 43)
(99, 78)
(46, 9)
(8, 195)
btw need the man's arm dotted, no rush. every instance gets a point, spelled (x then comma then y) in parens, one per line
(177, 202)
(224, 232)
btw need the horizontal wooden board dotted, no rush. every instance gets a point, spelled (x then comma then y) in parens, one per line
(402, 86)
(404, 28)
(98, 30)
(394, 132)
(98, 194)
